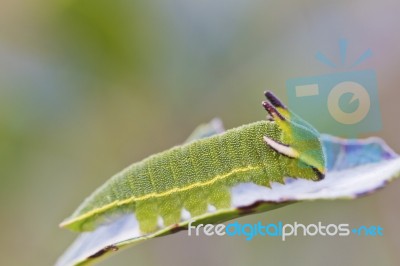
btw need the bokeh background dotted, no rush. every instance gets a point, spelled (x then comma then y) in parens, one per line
(88, 87)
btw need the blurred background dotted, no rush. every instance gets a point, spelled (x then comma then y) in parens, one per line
(88, 87)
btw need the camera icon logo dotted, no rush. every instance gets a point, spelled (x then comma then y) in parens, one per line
(344, 104)
(359, 93)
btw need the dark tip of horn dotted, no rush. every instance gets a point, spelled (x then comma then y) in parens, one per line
(274, 100)
(271, 110)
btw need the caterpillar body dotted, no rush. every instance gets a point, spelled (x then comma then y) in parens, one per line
(197, 177)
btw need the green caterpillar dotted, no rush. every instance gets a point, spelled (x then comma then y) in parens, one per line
(197, 177)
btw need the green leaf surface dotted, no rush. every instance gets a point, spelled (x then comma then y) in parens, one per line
(355, 168)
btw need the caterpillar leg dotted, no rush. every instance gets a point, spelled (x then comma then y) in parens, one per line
(147, 214)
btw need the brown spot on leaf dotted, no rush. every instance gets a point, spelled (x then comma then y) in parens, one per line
(103, 251)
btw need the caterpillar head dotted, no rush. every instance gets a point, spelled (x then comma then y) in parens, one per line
(298, 140)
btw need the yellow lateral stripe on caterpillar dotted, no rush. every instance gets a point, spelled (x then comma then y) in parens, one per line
(155, 195)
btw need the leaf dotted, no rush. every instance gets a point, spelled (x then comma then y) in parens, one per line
(355, 168)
